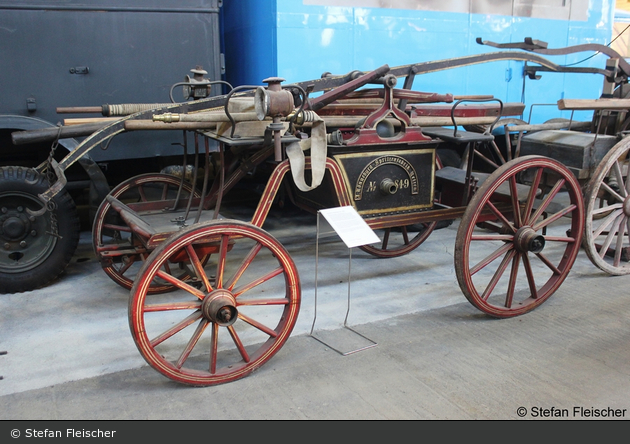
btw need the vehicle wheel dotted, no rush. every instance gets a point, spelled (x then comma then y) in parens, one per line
(230, 319)
(535, 204)
(607, 226)
(111, 235)
(398, 241)
(31, 256)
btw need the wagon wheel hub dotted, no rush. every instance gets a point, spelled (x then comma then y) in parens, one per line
(526, 239)
(626, 206)
(220, 306)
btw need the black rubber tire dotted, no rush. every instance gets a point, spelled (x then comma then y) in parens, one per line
(30, 257)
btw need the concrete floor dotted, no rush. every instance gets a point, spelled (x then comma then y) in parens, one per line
(70, 354)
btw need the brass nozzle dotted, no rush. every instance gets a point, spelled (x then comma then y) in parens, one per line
(166, 117)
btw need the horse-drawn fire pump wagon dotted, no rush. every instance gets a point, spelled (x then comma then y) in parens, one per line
(213, 298)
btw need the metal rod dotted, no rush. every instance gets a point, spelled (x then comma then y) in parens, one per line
(104, 8)
(181, 182)
(220, 191)
(79, 110)
(194, 181)
(316, 270)
(345, 322)
(206, 175)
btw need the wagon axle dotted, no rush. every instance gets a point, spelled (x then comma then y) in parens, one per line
(527, 240)
(220, 306)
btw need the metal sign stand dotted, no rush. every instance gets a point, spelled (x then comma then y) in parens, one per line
(2, 353)
(345, 322)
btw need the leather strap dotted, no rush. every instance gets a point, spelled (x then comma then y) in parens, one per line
(317, 143)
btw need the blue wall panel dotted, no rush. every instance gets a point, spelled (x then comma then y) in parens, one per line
(249, 34)
(300, 41)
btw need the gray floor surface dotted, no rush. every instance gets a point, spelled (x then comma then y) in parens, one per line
(70, 355)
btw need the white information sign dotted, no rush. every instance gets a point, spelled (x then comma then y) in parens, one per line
(350, 226)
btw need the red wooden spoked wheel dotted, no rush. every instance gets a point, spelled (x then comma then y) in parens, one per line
(119, 251)
(607, 227)
(534, 216)
(399, 241)
(227, 321)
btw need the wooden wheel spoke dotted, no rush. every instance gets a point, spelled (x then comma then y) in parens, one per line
(492, 237)
(143, 196)
(272, 333)
(554, 217)
(546, 201)
(490, 258)
(241, 269)
(620, 235)
(238, 343)
(500, 215)
(405, 235)
(620, 179)
(608, 220)
(545, 260)
(180, 284)
(167, 267)
(127, 265)
(256, 282)
(530, 276)
(199, 271)
(214, 348)
(531, 197)
(515, 202)
(607, 208)
(188, 320)
(191, 343)
(385, 239)
(497, 274)
(170, 306)
(221, 260)
(509, 296)
(164, 191)
(611, 234)
(613, 192)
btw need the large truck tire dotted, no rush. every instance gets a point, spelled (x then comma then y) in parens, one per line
(34, 249)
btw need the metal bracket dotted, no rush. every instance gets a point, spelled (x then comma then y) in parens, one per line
(528, 44)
